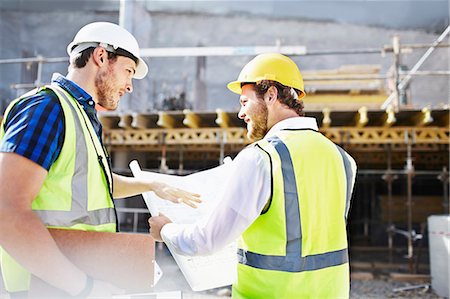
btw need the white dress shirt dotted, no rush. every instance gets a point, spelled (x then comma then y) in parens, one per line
(248, 191)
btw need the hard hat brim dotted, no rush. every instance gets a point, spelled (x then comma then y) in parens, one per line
(141, 69)
(235, 86)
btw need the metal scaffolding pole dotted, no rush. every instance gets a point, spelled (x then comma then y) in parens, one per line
(409, 168)
(396, 48)
(416, 67)
(181, 159)
(444, 178)
(389, 177)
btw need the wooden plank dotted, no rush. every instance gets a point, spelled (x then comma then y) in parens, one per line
(123, 259)
(410, 277)
(222, 119)
(389, 119)
(361, 265)
(125, 121)
(165, 120)
(423, 118)
(361, 276)
(361, 118)
(191, 119)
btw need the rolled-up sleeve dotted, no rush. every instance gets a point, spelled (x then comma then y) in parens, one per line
(246, 193)
(34, 129)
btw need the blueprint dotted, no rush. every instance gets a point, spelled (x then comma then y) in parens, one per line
(201, 272)
(208, 183)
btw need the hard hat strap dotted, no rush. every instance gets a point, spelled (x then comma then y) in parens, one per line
(81, 47)
(117, 51)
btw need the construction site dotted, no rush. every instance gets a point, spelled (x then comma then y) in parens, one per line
(379, 89)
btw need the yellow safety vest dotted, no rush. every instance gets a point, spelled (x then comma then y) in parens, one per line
(77, 192)
(297, 247)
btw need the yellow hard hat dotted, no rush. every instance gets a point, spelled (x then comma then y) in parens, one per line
(270, 66)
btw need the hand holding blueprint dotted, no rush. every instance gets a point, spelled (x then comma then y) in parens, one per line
(208, 183)
(201, 272)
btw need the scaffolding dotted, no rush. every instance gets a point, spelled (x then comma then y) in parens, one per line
(391, 140)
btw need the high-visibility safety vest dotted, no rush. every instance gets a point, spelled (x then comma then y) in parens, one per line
(77, 192)
(297, 247)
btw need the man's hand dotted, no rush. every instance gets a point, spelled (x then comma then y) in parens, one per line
(175, 195)
(129, 186)
(156, 224)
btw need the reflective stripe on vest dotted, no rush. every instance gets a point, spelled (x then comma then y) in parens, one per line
(293, 261)
(79, 213)
(76, 182)
(349, 172)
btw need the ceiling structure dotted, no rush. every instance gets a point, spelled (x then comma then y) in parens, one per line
(429, 15)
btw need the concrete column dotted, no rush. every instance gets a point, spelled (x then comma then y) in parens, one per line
(200, 93)
(135, 17)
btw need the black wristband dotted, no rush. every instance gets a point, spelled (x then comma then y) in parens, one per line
(87, 288)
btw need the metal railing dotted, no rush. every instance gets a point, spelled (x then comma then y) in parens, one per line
(136, 212)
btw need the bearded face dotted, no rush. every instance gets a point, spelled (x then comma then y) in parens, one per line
(257, 126)
(107, 94)
(113, 81)
(254, 112)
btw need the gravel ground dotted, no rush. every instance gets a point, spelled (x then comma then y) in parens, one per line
(374, 289)
(378, 288)
(385, 288)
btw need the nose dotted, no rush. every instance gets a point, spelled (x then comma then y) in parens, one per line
(241, 113)
(129, 87)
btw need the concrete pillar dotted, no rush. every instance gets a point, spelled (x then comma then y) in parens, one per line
(134, 17)
(200, 93)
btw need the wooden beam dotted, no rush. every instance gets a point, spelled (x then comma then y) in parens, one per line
(140, 121)
(125, 121)
(109, 121)
(222, 119)
(326, 122)
(389, 119)
(165, 120)
(361, 118)
(424, 117)
(359, 275)
(410, 277)
(191, 119)
(445, 120)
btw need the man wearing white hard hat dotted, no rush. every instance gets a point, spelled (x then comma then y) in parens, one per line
(54, 169)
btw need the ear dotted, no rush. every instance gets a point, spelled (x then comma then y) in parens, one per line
(100, 56)
(272, 95)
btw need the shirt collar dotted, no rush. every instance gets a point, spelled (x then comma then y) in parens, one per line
(300, 122)
(71, 87)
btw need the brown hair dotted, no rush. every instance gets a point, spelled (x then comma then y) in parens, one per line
(82, 58)
(286, 95)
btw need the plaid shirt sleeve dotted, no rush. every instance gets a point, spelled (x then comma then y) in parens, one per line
(34, 129)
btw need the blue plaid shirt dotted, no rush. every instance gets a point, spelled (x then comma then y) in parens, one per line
(35, 127)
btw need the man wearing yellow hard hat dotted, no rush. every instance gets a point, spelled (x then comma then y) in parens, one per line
(287, 199)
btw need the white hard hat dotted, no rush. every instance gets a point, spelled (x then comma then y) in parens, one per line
(112, 37)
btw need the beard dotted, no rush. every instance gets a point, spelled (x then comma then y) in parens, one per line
(105, 90)
(258, 124)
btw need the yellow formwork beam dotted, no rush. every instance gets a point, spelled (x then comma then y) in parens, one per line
(340, 135)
